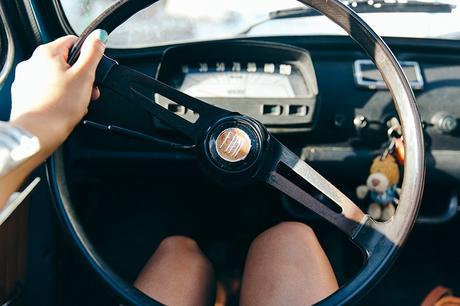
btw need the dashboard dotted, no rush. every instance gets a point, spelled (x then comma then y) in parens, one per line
(316, 106)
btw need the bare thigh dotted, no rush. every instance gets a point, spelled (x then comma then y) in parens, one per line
(286, 265)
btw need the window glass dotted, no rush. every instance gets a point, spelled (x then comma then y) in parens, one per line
(170, 21)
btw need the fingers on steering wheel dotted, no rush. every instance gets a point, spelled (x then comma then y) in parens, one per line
(59, 47)
(96, 94)
(91, 52)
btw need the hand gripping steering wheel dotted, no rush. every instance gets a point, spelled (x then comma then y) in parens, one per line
(236, 148)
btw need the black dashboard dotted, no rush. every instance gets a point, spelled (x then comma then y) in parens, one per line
(316, 106)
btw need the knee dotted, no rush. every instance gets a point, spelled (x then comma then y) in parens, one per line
(178, 243)
(186, 250)
(292, 228)
(286, 232)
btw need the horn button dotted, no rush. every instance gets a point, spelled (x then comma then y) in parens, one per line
(235, 143)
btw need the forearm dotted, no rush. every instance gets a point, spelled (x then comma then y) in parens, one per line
(49, 98)
(38, 127)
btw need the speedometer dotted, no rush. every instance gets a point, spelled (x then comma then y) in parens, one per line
(242, 80)
(237, 85)
(272, 83)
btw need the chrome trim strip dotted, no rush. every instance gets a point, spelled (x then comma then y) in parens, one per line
(381, 85)
(16, 199)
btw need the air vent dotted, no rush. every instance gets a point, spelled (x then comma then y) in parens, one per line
(298, 110)
(272, 110)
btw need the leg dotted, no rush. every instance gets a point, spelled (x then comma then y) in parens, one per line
(178, 274)
(287, 266)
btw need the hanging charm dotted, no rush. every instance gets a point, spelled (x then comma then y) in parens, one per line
(382, 183)
(382, 188)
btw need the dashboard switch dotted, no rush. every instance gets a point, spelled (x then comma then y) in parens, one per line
(360, 122)
(445, 122)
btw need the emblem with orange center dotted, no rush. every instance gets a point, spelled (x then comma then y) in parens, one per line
(234, 144)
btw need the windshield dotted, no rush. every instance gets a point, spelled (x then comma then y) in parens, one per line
(172, 21)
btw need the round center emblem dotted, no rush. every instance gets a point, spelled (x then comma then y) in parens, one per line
(233, 145)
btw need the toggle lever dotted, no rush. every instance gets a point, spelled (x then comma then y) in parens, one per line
(117, 130)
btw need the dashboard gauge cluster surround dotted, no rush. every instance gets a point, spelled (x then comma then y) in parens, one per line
(273, 83)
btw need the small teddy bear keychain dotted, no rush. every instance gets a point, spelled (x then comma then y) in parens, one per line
(381, 186)
(382, 182)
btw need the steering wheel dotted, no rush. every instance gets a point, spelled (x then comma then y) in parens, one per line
(234, 148)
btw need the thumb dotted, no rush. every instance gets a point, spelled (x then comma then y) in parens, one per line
(92, 51)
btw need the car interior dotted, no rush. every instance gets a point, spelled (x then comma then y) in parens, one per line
(219, 138)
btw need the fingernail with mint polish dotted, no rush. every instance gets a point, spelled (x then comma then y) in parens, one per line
(102, 35)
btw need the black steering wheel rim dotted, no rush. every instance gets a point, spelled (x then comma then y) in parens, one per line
(381, 249)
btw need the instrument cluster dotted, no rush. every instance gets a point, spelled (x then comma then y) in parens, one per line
(273, 83)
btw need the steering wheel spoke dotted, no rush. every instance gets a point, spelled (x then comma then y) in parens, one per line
(140, 89)
(290, 174)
